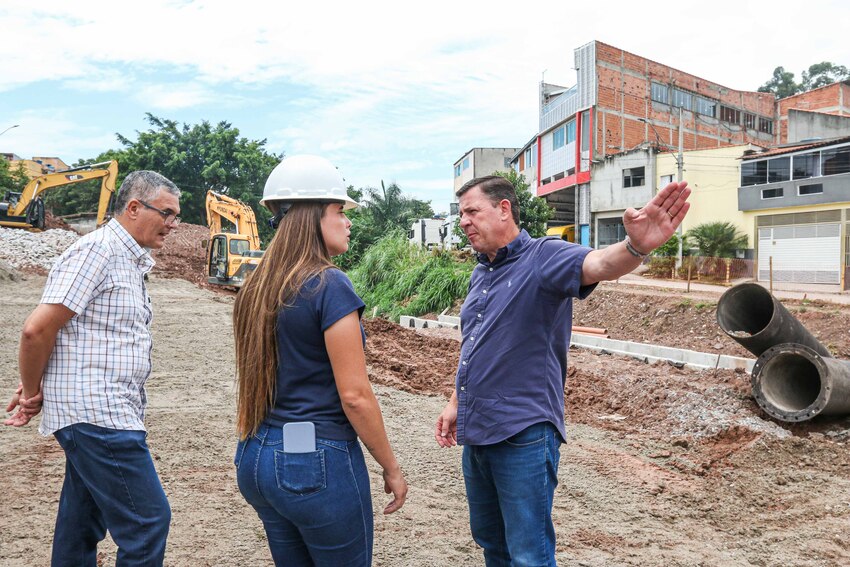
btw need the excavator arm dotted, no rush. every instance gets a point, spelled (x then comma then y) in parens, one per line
(17, 212)
(241, 215)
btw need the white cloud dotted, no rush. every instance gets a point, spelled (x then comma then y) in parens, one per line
(383, 88)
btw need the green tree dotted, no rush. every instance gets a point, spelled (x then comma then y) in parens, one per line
(12, 178)
(197, 158)
(717, 239)
(533, 211)
(671, 247)
(381, 212)
(782, 84)
(822, 74)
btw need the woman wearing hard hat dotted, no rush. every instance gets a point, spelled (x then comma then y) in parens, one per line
(303, 394)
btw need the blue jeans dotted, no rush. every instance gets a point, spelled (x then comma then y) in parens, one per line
(110, 484)
(510, 486)
(316, 507)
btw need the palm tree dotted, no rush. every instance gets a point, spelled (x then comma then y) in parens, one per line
(717, 239)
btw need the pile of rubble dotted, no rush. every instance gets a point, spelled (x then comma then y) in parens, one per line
(34, 251)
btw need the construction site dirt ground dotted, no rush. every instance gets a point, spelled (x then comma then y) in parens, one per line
(663, 466)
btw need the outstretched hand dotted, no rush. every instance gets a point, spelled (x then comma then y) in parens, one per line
(654, 224)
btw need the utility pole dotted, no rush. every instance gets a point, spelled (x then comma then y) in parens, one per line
(680, 163)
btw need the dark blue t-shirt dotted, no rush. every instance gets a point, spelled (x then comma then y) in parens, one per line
(306, 389)
(516, 323)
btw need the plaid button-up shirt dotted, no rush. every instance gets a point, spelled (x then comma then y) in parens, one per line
(102, 356)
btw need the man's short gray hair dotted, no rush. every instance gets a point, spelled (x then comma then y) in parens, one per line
(143, 186)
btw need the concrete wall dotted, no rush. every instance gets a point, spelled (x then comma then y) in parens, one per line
(831, 99)
(606, 186)
(482, 161)
(803, 125)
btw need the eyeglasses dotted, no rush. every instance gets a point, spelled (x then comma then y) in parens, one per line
(167, 216)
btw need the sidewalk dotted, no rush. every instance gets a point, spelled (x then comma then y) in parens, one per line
(830, 293)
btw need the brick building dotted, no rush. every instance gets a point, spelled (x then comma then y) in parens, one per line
(622, 102)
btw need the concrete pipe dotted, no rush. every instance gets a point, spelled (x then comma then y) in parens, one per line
(752, 316)
(792, 382)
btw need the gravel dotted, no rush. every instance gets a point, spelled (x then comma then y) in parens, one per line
(23, 249)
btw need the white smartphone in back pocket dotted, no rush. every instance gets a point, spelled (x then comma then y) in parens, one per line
(299, 437)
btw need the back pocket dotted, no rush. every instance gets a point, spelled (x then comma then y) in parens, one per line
(300, 473)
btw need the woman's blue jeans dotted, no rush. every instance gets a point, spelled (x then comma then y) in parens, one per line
(510, 487)
(316, 507)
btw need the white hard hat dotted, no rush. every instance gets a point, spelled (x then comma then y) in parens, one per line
(305, 178)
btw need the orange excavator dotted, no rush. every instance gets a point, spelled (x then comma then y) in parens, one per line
(26, 209)
(231, 255)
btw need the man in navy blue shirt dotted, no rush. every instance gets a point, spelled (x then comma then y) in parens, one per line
(508, 405)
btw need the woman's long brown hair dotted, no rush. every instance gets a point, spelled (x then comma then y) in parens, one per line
(296, 253)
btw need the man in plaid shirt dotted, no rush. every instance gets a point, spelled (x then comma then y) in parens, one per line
(86, 352)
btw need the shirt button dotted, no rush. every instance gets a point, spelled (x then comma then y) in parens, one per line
(491, 269)
(479, 315)
(463, 388)
(485, 291)
(471, 338)
(464, 363)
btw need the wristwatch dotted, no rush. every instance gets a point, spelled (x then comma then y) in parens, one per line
(634, 251)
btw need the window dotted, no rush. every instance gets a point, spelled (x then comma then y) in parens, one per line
(666, 180)
(585, 131)
(633, 177)
(610, 231)
(683, 99)
(730, 115)
(571, 131)
(706, 106)
(806, 165)
(466, 163)
(765, 125)
(749, 121)
(533, 161)
(778, 169)
(558, 138)
(771, 193)
(507, 162)
(239, 247)
(813, 189)
(753, 173)
(457, 170)
(836, 161)
(660, 93)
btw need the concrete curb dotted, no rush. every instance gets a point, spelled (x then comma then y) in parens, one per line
(642, 351)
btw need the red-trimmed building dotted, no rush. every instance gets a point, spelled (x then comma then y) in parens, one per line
(623, 102)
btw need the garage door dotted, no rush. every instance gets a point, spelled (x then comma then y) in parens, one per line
(807, 253)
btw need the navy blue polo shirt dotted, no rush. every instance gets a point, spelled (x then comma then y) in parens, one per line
(516, 323)
(306, 389)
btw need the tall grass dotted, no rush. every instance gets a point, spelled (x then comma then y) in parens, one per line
(401, 279)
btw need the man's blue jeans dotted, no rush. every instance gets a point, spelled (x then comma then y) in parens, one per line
(510, 486)
(110, 484)
(316, 507)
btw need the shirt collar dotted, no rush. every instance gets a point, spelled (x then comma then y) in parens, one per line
(511, 249)
(140, 254)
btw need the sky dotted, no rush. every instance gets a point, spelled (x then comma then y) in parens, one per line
(388, 91)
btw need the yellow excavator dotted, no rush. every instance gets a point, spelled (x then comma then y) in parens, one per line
(26, 209)
(231, 256)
